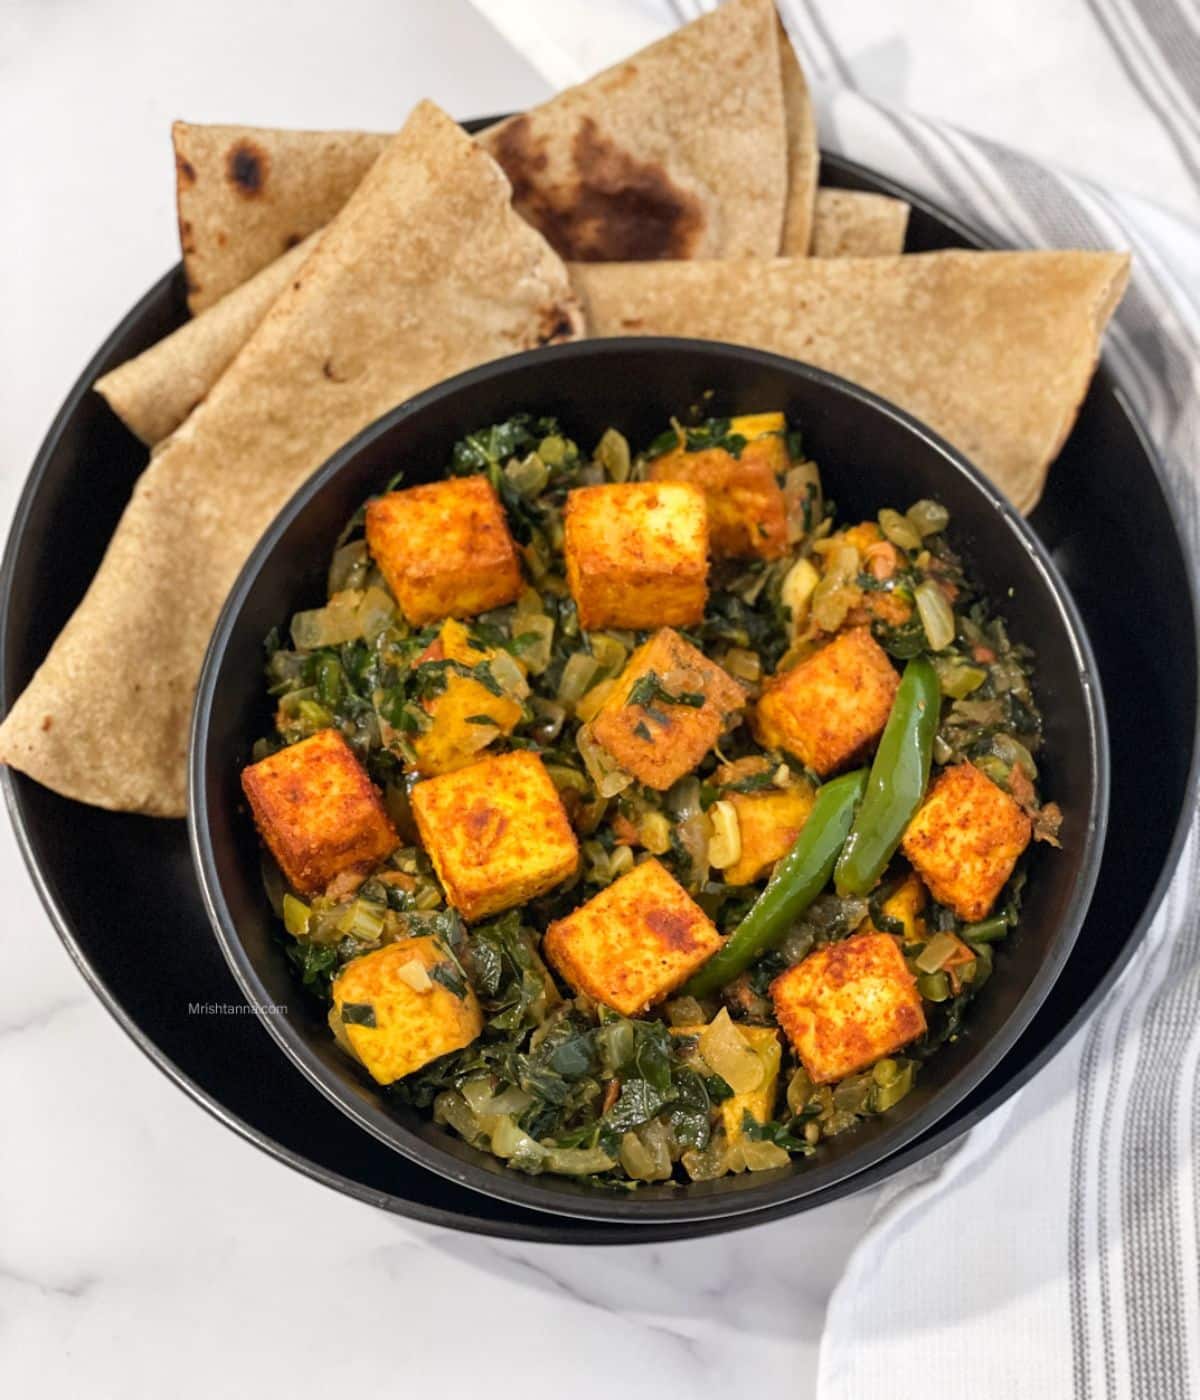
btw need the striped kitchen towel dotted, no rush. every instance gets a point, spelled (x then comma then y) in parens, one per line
(1055, 1250)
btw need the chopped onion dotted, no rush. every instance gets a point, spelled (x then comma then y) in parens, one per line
(612, 451)
(330, 626)
(577, 675)
(928, 518)
(725, 840)
(610, 651)
(609, 778)
(745, 665)
(899, 530)
(348, 566)
(375, 613)
(934, 955)
(727, 1053)
(937, 616)
(537, 632)
(508, 675)
(762, 1156)
(654, 832)
(528, 476)
(296, 915)
(797, 591)
(413, 974)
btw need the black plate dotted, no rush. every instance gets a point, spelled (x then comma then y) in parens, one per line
(870, 453)
(105, 879)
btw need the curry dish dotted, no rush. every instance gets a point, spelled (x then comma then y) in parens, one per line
(634, 815)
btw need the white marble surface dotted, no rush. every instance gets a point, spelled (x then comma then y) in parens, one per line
(143, 1248)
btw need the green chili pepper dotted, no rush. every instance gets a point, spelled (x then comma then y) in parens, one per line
(799, 877)
(899, 776)
(988, 931)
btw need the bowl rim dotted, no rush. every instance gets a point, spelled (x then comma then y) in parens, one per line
(514, 1187)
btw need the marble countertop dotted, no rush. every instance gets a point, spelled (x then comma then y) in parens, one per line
(142, 1245)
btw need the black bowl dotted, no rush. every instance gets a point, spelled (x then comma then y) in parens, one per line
(871, 454)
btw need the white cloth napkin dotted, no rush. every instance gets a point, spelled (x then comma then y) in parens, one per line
(1054, 1250)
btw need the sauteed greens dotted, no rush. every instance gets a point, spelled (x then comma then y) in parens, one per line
(636, 817)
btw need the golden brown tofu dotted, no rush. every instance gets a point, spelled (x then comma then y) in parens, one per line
(444, 548)
(747, 515)
(466, 716)
(847, 1005)
(637, 554)
(496, 832)
(965, 840)
(832, 707)
(400, 1007)
(634, 943)
(650, 737)
(769, 823)
(318, 811)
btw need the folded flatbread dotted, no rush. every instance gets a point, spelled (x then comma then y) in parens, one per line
(425, 272)
(154, 392)
(803, 155)
(992, 350)
(652, 158)
(855, 224)
(244, 196)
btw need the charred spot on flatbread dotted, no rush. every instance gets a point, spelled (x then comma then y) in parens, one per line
(614, 208)
(247, 167)
(185, 171)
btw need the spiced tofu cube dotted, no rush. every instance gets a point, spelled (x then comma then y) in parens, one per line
(444, 549)
(831, 708)
(634, 943)
(965, 840)
(466, 715)
(768, 824)
(637, 554)
(496, 832)
(747, 514)
(847, 1005)
(318, 811)
(404, 1005)
(669, 707)
(760, 1102)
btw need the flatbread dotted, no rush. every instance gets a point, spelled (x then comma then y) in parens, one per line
(245, 196)
(992, 350)
(803, 154)
(153, 393)
(648, 159)
(426, 272)
(853, 224)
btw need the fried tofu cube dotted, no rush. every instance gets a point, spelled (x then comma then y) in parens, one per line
(497, 833)
(650, 736)
(633, 943)
(400, 1007)
(466, 716)
(747, 514)
(847, 1005)
(769, 817)
(318, 811)
(832, 707)
(444, 549)
(965, 840)
(637, 554)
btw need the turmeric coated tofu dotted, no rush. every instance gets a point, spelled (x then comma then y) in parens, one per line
(747, 514)
(318, 811)
(404, 1005)
(633, 943)
(466, 716)
(965, 839)
(831, 708)
(769, 819)
(847, 1005)
(444, 549)
(497, 833)
(637, 554)
(669, 707)
(906, 905)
